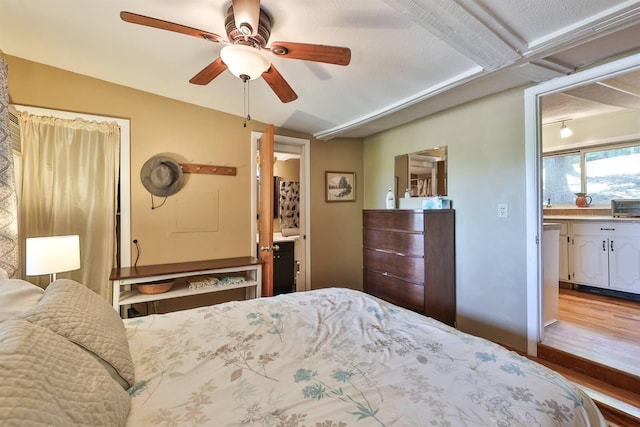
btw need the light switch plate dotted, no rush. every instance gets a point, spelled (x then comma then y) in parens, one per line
(503, 210)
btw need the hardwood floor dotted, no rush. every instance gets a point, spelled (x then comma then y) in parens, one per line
(596, 344)
(599, 328)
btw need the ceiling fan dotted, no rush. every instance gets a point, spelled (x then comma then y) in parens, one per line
(248, 29)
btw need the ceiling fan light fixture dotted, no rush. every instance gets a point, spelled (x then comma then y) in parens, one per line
(244, 60)
(565, 132)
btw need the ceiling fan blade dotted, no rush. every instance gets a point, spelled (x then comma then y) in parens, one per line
(246, 14)
(209, 73)
(169, 26)
(312, 52)
(279, 85)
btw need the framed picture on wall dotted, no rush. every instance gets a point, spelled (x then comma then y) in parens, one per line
(340, 186)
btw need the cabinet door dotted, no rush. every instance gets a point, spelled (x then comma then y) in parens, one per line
(624, 264)
(283, 269)
(591, 260)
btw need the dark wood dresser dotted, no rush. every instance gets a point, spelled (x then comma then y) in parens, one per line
(409, 260)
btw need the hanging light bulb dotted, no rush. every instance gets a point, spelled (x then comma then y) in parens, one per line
(565, 132)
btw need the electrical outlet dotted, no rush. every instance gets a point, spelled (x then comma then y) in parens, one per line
(503, 210)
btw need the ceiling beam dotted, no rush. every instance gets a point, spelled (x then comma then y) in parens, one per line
(592, 28)
(621, 87)
(491, 45)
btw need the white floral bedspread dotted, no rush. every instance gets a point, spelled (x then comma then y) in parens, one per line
(335, 357)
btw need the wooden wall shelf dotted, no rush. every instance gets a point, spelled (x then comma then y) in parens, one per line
(208, 169)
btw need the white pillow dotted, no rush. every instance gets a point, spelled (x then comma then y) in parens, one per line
(78, 314)
(3, 274)
(17, 296)
(49, 381)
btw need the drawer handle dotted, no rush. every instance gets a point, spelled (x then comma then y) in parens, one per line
(385, 274)
(607, 229)
(389, 252)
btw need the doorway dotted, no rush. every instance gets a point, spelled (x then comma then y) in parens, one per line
(289, 148)
(533, 155)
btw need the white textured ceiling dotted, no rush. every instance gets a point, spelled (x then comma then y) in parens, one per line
(409, 57)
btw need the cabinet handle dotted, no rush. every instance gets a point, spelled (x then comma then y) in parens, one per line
(611, 245)
(607, 229)
(385, 274)
(604, 245)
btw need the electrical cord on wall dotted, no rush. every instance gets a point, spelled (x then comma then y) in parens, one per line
(135, 242)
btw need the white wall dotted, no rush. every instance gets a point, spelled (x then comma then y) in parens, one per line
(486, 166)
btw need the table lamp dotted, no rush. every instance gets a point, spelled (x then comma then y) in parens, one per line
(51, 255)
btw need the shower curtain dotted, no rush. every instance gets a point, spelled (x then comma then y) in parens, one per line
(289, 201)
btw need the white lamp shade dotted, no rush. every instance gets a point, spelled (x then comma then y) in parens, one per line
(244, 60)
(55, 254)
(565, 132)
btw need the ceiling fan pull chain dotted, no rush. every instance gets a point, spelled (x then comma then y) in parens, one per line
(248, 100)
(247, 91)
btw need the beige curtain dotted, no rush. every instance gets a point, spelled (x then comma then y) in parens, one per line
(69, 186)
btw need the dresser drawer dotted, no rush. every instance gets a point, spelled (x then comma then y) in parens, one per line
(394, 220)
(396, 291)
(399, 243)
(408, 268)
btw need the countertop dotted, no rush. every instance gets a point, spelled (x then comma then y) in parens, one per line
(588, 218)
(278, 237)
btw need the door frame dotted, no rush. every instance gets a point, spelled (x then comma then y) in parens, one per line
(305, 174)
(533, 164)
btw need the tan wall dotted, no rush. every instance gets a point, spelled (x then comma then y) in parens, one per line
(336, 227)
(288, 170)
(193, 134)
(486, 155)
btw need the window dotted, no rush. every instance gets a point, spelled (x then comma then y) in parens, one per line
(561, 178)
(613, 174)
(603, 173)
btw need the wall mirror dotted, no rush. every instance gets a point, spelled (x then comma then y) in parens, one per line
(423, 173)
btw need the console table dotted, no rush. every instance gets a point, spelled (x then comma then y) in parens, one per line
(123, 278)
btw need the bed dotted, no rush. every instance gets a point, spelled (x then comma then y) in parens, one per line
(325, 358)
